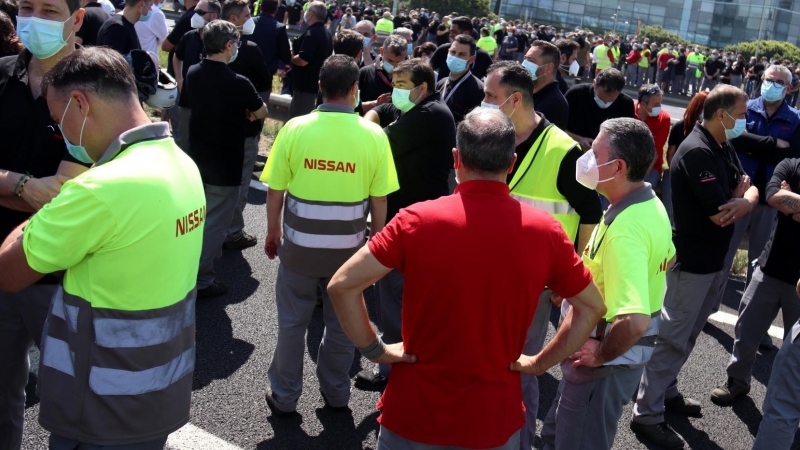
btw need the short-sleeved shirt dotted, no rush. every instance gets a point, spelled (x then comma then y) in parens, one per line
(704, 175)
(295, 12)
(481, 295)
(93, 18)
(628, 254)
(461, 96)
(182, 26)
(663, 60)
(373, 82)
(676, 135)
(190, 51)
(551, 103)
(585, 117)
(659, 128)
(119, 34)
(779, 259)
(314, 49)
(219, 99)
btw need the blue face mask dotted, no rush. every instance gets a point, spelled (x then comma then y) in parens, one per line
(235, 54)
(409, 49)
(77, 151)
(738, 128)
(43, 38)
(401, 99)
(146, 17)
(367, 42)
(772, 92)
(602, 104)
(532, 68)
(181, 2)
(456, 64)
(387, 67)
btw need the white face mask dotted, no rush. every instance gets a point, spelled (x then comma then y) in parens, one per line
(198, 21)
(493, 106)
(574, 67)
(587, 172)
(249, 27)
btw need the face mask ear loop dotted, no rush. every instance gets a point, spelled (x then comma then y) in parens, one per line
(80, 139)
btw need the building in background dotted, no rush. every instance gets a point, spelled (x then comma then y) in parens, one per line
(708, 22)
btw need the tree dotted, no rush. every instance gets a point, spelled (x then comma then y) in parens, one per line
(660, 35)
(469, 8)
(780, 49)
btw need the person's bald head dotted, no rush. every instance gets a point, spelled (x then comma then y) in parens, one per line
(485, 142)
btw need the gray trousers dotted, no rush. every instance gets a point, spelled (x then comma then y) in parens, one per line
(758, 227)
(708, 84)
(632, 75)
(666, 193)
(220, 203)
(643, 76)
(585, 416)
(534, 342)
(182, 139)
(302, 103)
(174, 114)
(687, 305)
(389, 440)
(22, 317)
(762, 299)
(61, 443)
(736, 81)
(296, 298)
(677, 84)
(782, 402)
(690, 81)
(236, 228)
(390, 297)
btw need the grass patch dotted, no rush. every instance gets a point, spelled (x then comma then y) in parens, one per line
(740, 263)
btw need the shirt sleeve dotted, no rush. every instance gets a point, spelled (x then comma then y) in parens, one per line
(174, 37)
(676, 134)
(180, 50)
(585, 201)
(388, 245)
(783, 172)
(384, 181)
(701, 169)
(278, 173)
(308, 49)
(248, 94)
(626, 289)
(568, 276)
(75, 224)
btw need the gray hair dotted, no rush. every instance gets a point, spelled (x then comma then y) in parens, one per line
(402, 31)
(366, 23)
(631, 141)
(216, 35)
(486, 141)
(779, 68)
(319, 10)
(395, 44)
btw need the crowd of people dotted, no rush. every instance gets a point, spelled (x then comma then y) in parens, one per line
(414, 141)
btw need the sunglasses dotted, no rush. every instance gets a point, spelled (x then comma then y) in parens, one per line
(202, 13)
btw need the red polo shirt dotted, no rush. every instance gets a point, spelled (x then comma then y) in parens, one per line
(659, 126)
(475, 264)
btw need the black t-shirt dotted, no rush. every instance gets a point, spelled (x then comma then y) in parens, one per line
(779, 259)
(585, 116)
(712, 65)
(478, 68)
(676, 135)
(400, 21)
(251, 65)
(551, 103)
(422, 142)
(119, 34)
(373, 81)
(461, 98)
(280, 14)
(680, 66)
(93, 18)
(725, 75)
(369, 14)
(32, 141)
(218, 124)
(315, 48)
(738, 68)
(295, 12)
(562, 83)
(584, 200)
(191, 51)
(182, 26)
(704, 176)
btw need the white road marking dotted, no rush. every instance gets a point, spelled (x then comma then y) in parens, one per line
(730, 319)
(190, 437)
(260, 185)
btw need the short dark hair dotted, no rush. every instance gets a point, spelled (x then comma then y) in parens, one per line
(396, 44)
(463, 23)
(99, 70)
(217, 34)
(723, 96)
(269, 6)
(233, 8)
(550, 53)
(421, 72)
(348, 42)
(610, 79)
(514, 78)
(567, 46)
(647, 91)
(130, 3)
(214, 7)
(631, 141)
(485, 140)
(11, 8)
(466, 40)
(337, 75)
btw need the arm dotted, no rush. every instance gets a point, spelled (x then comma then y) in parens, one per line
(736, 208)
(671, 153)
(785, 201)
(377, 208)
(298, 61)
(16, 274)
(261, 113)
(584, 200)
(284, 52)
(586, 143)
(369, 106)
(372, 116)
(177, 67)
(621, 336)
(274, 232)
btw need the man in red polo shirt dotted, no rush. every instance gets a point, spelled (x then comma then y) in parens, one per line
(475, 264)
(648, 109)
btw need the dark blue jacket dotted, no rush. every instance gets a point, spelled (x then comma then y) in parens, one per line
(271, 38)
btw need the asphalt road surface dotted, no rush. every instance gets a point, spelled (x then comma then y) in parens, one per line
(236, 336)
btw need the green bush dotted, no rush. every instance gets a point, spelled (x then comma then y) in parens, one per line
(660, 35)
(780, 49)
(469, 8)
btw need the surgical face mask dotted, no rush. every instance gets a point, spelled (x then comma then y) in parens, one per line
(387, 67)
(146, 17)
(574, 68)
(367, 42)
(697, 49)
(772, 92)
(655, 112)
(198, 21)
(713, 56)
(235, 54)
(737, 129)
(305, 17)
(249, 27)
(77, 151)
(493, 106)
(532, 68)
(43, 38)
(358, 98)
(409, 49)
(602, 104)
(456, 64)
(401, 99)
(587, 172)
(669, 48)
(181, 2)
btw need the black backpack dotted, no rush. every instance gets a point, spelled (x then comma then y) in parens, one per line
(145, 70)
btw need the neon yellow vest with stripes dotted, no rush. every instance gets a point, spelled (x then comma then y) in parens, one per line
(534, 183)
(601, 52)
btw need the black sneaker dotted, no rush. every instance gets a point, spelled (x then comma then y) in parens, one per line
(369, 380)
(683, 405)
(766, 343)
(215, 290)
(331, 407)
(660, 434)
(243, 241)
(270, 398)
(727, 393)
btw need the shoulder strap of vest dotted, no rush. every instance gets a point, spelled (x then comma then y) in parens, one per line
(527, 163)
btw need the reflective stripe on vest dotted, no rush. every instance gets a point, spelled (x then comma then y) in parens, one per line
(105, 381)
(326, 211)
(534, 182)
(325, 225)
(601, 53)
(645, 61)
(333, 241)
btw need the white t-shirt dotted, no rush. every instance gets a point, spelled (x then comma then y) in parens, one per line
(153, 32)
